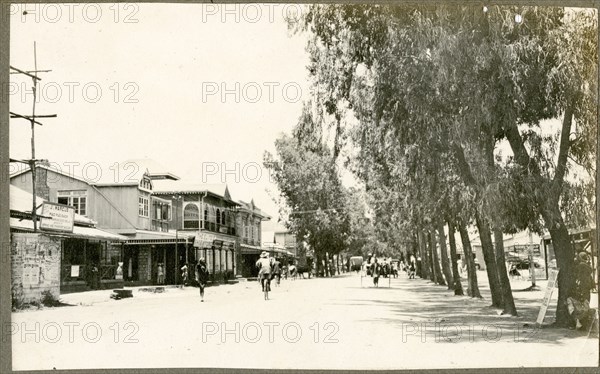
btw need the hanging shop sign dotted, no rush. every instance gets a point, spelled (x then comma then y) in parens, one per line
(203, 239)
(57, 217)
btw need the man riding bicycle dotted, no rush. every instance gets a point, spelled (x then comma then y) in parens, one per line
(265, 265)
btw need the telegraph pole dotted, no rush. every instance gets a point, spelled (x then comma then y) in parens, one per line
(31, 118)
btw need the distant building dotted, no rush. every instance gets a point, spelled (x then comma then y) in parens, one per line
(287, 240)
(249, 224)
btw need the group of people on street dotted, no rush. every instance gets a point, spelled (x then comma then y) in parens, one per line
(269, 269)
(384, 268)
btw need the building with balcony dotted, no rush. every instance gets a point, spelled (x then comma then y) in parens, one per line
(207, 213)
(165, 222)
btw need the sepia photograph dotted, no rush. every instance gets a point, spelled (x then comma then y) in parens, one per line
(316, 186)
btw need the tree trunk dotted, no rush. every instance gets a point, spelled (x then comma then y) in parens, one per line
(549, 202)
(444, 254)
(507, 297)
(473, 289)
(319, 267)
(423, 255)
(430, 268)
(458, 290)
(429, 254)
(439, 277)
(490, 260)
(565, 254)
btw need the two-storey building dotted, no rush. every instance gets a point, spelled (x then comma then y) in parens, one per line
(207, 213)
(63, 252)
(167, 222)
(249, 223)
(120, 199)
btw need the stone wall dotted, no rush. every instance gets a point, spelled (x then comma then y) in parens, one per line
(35, 261)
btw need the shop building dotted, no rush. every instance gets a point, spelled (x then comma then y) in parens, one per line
(120, 201)
(66, 253)
(208, 214)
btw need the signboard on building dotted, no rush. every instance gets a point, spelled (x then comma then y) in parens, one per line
(60, 217)
(552, 276)
(203, 239)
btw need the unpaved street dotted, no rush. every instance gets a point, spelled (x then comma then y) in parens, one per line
(317, 323)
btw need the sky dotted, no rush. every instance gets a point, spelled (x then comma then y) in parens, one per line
(202, 89)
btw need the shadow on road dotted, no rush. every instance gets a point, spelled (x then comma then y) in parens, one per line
(421, 304)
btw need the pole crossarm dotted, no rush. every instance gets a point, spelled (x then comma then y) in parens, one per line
(31, 118)
(31, 72)
(28, 162)
(26, 73)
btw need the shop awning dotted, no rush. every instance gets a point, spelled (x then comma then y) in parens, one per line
(206, 239)
(250, 249)
(158, 237)
(78, 231)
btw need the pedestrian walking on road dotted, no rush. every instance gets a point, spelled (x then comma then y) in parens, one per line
(277, 271)
(375, 272)
(412, 270)
(201, 276)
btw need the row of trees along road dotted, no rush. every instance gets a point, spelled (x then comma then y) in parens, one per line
(449, 112)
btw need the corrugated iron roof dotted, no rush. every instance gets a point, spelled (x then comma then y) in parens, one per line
(171, 186)
(78, 231)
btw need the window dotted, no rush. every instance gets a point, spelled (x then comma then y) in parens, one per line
(218, 216)
(145, 184)
(76, 199)
(223, 218)
(191, 216)
(162, 211)
(143, 206)
(157, 211)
